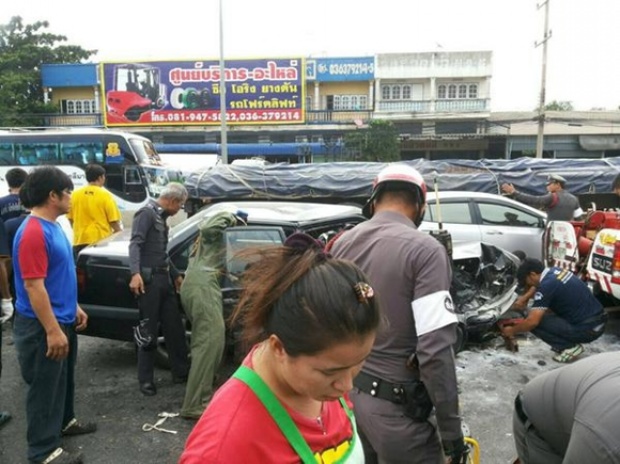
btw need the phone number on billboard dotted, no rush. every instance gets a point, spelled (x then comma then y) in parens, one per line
(230, 116)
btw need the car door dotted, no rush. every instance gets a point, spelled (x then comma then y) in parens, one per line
(456, 217)
(510, 227)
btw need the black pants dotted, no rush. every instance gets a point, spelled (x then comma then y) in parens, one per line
(51, 387)
(160, 306)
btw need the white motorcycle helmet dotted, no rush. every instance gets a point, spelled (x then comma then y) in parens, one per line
(398, 176)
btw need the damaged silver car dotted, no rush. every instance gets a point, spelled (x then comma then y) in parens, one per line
(483, 288)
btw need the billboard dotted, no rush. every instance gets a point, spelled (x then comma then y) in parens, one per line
(340, 69)
(165, 93)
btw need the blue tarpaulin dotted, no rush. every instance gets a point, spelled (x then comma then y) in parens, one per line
(352, 181)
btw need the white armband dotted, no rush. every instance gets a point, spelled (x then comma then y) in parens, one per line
(432, 312)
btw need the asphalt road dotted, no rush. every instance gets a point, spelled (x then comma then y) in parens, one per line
(107, 392)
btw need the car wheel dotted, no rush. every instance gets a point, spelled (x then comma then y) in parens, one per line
(461, 338)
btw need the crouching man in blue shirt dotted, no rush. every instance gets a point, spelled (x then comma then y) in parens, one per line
(565, 313)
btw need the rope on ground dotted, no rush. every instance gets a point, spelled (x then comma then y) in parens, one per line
(156, 426)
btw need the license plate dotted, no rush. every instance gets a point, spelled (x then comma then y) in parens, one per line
(601, 263)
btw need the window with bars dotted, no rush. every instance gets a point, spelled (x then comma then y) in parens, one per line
(78, 106)
(460, 91)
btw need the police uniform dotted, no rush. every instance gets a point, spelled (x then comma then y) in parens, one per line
(560, 205)
(148, 255)
(571, 414)
(412, 275)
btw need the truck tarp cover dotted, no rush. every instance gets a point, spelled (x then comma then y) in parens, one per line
(352, 181)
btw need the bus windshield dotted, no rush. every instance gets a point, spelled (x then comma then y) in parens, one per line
(145, 151)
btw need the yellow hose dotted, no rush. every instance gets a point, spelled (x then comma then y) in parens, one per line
(474, 458)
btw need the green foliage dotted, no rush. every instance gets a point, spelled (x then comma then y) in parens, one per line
(377, 142)
(23, 49)
(559, 106)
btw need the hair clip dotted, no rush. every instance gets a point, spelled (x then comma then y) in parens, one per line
(364, 292)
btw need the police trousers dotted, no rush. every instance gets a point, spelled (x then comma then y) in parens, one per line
(390, 437)
(160, 306)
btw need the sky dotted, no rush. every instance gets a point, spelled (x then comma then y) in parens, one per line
(583, 59)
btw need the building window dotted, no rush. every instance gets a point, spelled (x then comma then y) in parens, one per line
(463, 91)
(77, 106)
(406, 92)
(460, 91)
(441, 92)
(350, 102)
(396, 92)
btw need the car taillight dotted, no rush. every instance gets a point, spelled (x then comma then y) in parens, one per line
(81, 280)
(615, 264)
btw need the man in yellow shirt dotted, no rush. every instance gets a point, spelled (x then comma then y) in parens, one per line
(94, 214)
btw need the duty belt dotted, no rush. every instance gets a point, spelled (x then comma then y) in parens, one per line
(161, 269)
(380, 388)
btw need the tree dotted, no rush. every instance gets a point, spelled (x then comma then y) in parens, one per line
(556, 105)
(23, 49)
(377, 142)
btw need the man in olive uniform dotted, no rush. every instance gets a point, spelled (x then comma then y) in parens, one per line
(155, 281)
(201, 297)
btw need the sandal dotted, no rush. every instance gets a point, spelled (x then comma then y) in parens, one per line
(569, 354)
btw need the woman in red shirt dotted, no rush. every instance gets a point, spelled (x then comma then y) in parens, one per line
(311, 321)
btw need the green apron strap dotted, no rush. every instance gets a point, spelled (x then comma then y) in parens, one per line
(277, 411)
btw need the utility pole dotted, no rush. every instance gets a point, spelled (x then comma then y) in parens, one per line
(541, 104)
(224, 135)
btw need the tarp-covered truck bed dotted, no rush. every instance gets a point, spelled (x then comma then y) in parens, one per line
(351, 182)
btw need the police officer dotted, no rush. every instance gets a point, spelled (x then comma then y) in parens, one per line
(571, 414)
(155, 281)
(559, 204)
(411, 272)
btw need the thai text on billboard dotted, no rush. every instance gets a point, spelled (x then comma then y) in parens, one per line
(258, 91)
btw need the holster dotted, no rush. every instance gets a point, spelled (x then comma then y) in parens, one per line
(418, 405)
(147, 275)
(413, 396)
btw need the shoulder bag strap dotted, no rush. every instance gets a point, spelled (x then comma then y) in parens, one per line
(277, 411)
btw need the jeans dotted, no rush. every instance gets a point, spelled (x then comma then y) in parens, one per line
(561, 334)
(51, 387)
